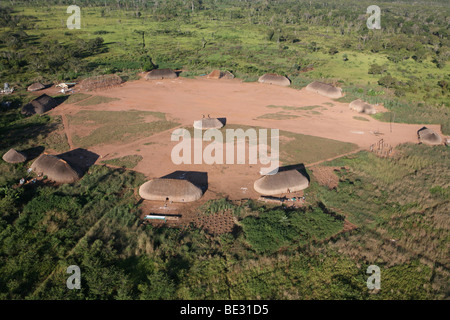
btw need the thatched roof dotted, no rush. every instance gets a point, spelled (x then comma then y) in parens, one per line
(36, 87)
(428, 136)
(217, 74)
(176, 190)
(362, 107)
(272, 78)
(13, 156)
(281, 182)
(40, 105)
(208, 123)
(55, 169)
(325, 89)
(159, 74)
(100, 82)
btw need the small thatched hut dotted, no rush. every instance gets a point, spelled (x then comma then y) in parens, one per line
(325, 89)
(55, 169)
(281, 182)
(217, 74)
(100, 82)
(40, 105)
(176, 190)
(13, 156)
(160, 74)
(428, 136)
(272, 78)
(208, 123)
(36, 87)
(362, 107)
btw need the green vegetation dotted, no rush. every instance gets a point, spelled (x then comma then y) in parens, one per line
(126, 162)
(278, 116)
(360, 118)
(117, 126)
(77, 97)
(96, 100)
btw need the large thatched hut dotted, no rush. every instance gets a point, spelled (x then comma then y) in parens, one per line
(428, 136)
(13, 156)
(362, 107)
(325, 89)
(217, 74)
(100, 82)
(272, 78)
(281, 182)
(208, 123)
(176, 190)
(55, 169)
(160, 74)
(40, 105)
(36, 87)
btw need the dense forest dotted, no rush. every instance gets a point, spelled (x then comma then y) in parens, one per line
(399, 205)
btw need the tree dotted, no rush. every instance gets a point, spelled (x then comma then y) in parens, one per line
(388, 82)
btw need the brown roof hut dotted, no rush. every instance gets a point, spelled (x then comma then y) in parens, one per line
(272, 78)
(217, 74)
(36, 87)
(176, 190)
(55, 169)
(13, 156)
(281, 182)
(362, 107)
(325, 89)
(40, 105)
(428, 136)
(160, 74)
(208, 123)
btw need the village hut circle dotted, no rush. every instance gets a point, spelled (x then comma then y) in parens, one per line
(14, 156)
(176, 190)
(281, 182)
(272, 78)
(40, 105)
(217, 74)
(160, 74)
(362, 107)
(100, 82)
(429, 136)
(36, 87)
(325, 89)
(55, 169)
(208, 123)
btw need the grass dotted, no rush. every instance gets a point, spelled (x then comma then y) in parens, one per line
(290, 108)
(128, 162)
(278, 116)
(96, 100)
(116, 126)
(360, 118)
(77, 97)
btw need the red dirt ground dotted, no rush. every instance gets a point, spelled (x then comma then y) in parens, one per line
(184, 100)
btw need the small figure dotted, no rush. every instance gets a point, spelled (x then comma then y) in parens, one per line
(22, 181)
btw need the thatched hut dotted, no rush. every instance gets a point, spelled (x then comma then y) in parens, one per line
(208, 123)
(160, 74)
(40, 105)
(55, 169)
(281, 182)
(100, 82)
(13, 156)
(272, 78)
(217, 74)
(428, 136)
(36, 87)
(325, 89)
(176, 190)
(362, 107)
